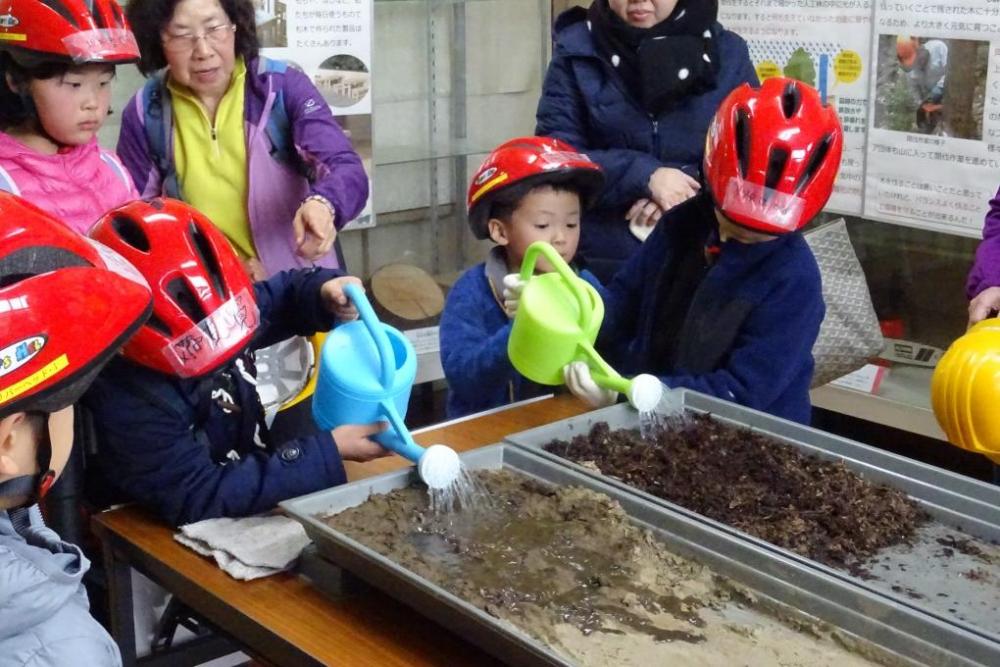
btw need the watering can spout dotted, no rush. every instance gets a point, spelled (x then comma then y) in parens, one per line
(366, 372)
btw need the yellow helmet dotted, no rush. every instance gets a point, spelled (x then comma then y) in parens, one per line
(965, 390)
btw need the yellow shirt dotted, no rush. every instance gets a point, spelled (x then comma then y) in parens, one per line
(211, 160)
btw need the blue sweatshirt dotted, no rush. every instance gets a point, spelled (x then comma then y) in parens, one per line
(473, 334)
(176, 446)
(740, 327)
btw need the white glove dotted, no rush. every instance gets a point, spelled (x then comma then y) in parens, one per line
(512, 288)
(579, 381)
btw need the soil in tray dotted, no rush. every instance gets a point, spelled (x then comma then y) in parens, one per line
(566, 566)
(816, 508)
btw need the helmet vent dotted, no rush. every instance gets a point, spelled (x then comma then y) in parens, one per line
(776, 163)
(791, 100)
(130, 232)
(30, 262)
(815, 162)
(208, 259)
(99, 18)
(61, 9)
(181, 295)
(742, 130)
(156, 323)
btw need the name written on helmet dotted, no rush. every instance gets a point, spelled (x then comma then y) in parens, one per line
(14, 356)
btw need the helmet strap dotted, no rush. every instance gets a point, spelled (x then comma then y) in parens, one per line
(33, 486)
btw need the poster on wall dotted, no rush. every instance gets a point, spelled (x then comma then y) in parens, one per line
(934, 124)
(331, 41)
(827, 45)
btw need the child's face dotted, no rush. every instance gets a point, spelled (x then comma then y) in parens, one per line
(730, 230)
(20, 436)
(643, 13)
(544, 214)
(72, 107)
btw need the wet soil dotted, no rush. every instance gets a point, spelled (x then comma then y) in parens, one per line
(816, 508)
(566, 566)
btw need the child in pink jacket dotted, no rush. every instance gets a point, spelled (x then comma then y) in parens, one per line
(55, 94)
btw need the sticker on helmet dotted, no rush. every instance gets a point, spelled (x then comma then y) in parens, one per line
(215, 336)
(485, 176)
(14, 356)
(38, 377)
(13, 36)
(8, 21)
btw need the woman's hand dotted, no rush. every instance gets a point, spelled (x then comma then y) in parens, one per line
(336, 301)
(985, 304)
(354, 441)
(645, 213)
(314, 229)
(669, 187)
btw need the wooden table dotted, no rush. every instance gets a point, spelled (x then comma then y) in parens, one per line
(283, 619)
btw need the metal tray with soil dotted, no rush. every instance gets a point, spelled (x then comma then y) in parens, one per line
(724, 585)
(947, 565)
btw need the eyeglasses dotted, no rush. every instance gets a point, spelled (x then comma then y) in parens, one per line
(215, 35)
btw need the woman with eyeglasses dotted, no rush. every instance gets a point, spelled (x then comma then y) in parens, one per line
(247, 140)
(57, 61)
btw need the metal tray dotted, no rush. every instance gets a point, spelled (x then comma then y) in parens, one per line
(914, 575)
(884, 622)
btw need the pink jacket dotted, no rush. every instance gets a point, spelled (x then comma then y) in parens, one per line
(77, 186)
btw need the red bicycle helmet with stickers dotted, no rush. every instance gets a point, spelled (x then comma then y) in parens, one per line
(66, 305)
(204, 311)
(523, 160)
(74, 31)
(772, 155)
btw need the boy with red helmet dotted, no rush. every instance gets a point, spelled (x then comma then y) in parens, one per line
(528, 189)
(57, 61)
(725, 295)
(66, 305)
(180, 427)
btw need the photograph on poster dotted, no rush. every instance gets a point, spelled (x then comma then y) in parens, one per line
(271, 24)
(343, 79)
(931, 85)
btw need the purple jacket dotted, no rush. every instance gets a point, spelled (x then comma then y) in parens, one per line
(986, 267)
(275, 189)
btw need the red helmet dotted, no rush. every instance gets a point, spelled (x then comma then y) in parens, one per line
(204, 312)
(536, 160)
(75, 31)
(772, 155)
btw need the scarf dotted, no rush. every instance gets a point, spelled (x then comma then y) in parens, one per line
(661, 65)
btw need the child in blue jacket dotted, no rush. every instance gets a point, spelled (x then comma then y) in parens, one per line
(179, 425)
(528, 189)
(725, 296)
(69, 305)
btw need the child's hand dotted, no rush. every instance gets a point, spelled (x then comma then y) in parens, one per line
(512, 288)
(644, 213)
(578, 380)
(254, 269)
(314, 229)
(985, 304)
(355, 444)
(669, 187)
(336, 300)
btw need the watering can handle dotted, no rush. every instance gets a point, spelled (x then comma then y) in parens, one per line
(562, 268)
(385, 353)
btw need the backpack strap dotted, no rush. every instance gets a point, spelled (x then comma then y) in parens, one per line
(7, 183)
(157, 117)
(116, 167)
(279, 127)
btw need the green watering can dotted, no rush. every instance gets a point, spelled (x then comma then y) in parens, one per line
(557, 320)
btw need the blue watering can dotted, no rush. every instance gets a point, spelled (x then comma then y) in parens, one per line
(366, 372)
